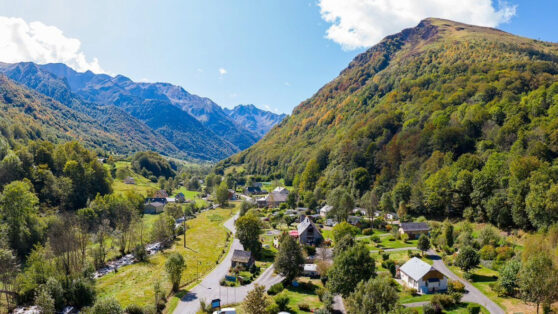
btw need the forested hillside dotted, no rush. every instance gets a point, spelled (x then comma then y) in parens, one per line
(444, 119)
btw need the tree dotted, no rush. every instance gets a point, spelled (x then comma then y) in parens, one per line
(18, 210)
(289, 258)
(349, 268)
(343, 244)
(163, 229)
(360, 180)
(370, 202)
(244, 207)
(107, 306)
(423, 243)
(256, 301)
(467, 258)
(343, 229)
(538, 280)
(248, 229)
(448, 233)
(509, 276)
(342, 203)
(45, 301)
(310, 175)
(376, 295)
(175, 266)
(222, 194)
(291, 199)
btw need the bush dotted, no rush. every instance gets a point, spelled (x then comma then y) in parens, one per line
(140, 253)
(473, 308)
(273, 309)
(275, 289)
(428, 309)
(376, 239)
(456, 286)
(106, 306)
(82, 293)
(304, 307)
(282, 301)
(367, 231)
(442, 301)
(310, 250)
(385, 256)
(134, 309)
(389, 265)
(487, 252)
(504, 253)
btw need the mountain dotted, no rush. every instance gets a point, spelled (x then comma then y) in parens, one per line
(151, 121)
(442, 119)
(252, 118)
(104, 89)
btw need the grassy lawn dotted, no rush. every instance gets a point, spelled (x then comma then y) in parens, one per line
(206, 241)
(189, 195)
(459, 309)
(142, 186)
(298, 296)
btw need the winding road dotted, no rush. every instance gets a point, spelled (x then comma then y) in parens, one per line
(210, 287)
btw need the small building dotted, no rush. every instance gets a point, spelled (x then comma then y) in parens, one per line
(423, 277)
(359, 210)
(414, 229)
(161, 194)
(154, 207)
(310, 270)
(324, 211)
(330, 222)
(354, 220)
(391, 216)
(275, 198)
(129, 180)
(242, 258)
(308, 233)
(253, 190)
(232, 195)
(180, 198)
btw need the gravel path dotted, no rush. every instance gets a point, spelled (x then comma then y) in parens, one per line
(210, 288)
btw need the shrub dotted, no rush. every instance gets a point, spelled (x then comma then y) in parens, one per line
(134, 309)
(140, 253)
(389, 265)
(473, 308)
(310, 250)
(82, 293)
(442, 301)
(367, 231)
(304, 307)
(428, 308)
(376, 239)
(487, 252)
(107, 306)
(275, 289)
(273, 309)
(282, 301)
(456, 286)
(504, 253)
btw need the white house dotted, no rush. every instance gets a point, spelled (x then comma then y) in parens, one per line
(422, 276)
(325, 210)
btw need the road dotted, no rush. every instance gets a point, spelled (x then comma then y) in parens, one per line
(210, 288)
(473, 294)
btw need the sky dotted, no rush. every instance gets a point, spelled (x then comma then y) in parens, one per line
(270, 53)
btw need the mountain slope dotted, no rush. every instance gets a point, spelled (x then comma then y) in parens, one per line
(441, 117)
(188, 138)
(252, 118)
(104, 89)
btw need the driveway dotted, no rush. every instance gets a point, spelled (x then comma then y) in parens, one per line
(473, 294)
(210, 288)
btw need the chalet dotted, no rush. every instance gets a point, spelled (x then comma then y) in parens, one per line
(242, 258)
(275, 198)
(180, 198)
(129, 180)
(161, 194)
(154, 207)
(253, 190)
(423, 277)
(324, 211)
(308, 233)
(414, 229)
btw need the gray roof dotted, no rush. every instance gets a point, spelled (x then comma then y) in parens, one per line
(277, 196)
(326, 209)
(414, 226)
(241, 256)
(416, 268)
(303, 225)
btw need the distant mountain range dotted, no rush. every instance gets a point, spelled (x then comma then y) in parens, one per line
(254, 119)
(146, 116)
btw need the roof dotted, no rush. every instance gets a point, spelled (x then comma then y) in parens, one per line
(326, 209)
(156, 204)
(293, 233)
(161, 194)
(310, 267)
(277, 196)
(241, 256)
(281, 189)
(303, 225)
(416, 268)
(415, 226)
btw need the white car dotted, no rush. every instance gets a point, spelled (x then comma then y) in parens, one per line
(228, 310)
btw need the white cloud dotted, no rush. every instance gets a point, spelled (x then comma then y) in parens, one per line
(222, 71)
(363, 23)
(40, 43)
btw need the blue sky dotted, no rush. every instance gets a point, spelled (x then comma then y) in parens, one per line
(271, 53)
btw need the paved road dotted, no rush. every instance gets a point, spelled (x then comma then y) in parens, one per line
(473, 294)
(210, 288)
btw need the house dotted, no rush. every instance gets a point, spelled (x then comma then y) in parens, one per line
(423, 277)
(232, 195)
(324, 211)
(129, 180)
(253, 190)
(308, 233)
(361, 211)
(414, 229)
(180, 198)
(354, 220)
(275, 198)
(242, 258)
(161, 194)
(391, 216)
(154, 207)
(310, 270)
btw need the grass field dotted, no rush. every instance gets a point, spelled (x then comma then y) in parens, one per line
(459, 309)
(142, 185)
(206, 240)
